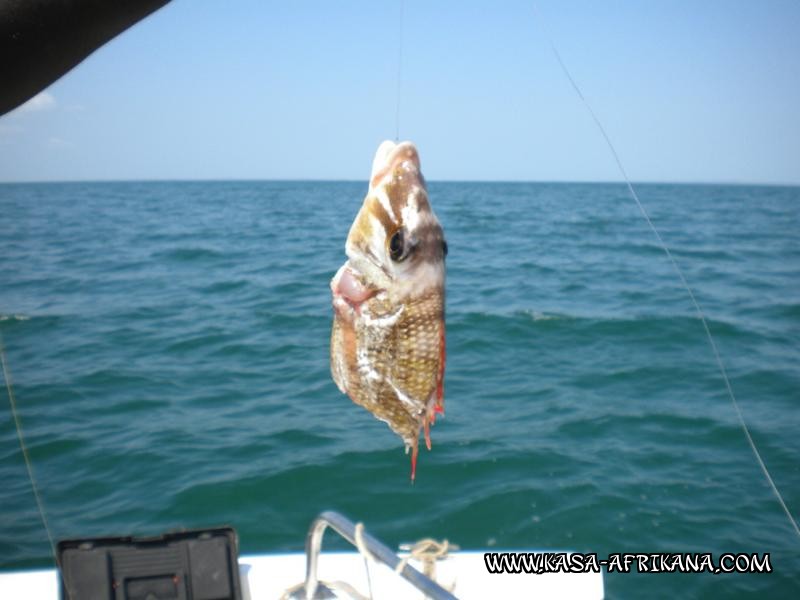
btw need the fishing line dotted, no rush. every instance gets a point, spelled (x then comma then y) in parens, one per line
(543, 24)
(26, 457)
(399, 73)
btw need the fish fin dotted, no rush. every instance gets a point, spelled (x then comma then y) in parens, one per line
(414, 452)
(427, 428)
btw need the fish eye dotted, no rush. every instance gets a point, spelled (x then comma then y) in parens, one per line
(444, 248)
(396, 246)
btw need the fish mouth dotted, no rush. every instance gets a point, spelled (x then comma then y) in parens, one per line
(347, 286)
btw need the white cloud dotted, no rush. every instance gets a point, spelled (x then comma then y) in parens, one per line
(41, 101)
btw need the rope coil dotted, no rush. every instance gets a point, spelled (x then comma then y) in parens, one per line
(427, 551)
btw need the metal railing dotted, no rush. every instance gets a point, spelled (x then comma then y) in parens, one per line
(377, 549)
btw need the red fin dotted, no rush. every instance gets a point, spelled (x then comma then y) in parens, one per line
(427, 428)
(414, 452)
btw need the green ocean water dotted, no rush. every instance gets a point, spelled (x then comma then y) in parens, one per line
(169, 350)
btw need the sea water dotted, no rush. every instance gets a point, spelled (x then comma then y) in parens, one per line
(168, 343)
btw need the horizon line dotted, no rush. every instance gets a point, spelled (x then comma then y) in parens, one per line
(360, 180)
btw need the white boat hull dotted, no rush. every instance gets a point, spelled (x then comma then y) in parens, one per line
(266, 576)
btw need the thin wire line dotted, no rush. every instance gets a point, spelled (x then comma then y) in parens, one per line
(678, 270)
(399, 74)
(24, 448)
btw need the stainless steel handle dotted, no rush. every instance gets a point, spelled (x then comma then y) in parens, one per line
(347, 529)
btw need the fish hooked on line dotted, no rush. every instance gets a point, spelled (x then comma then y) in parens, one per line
(388, 335)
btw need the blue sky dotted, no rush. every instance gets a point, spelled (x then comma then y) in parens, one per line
(688, 91)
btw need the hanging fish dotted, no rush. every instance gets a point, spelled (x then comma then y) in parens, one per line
(387, 343)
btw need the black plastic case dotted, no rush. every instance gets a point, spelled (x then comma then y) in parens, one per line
(188, 565)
